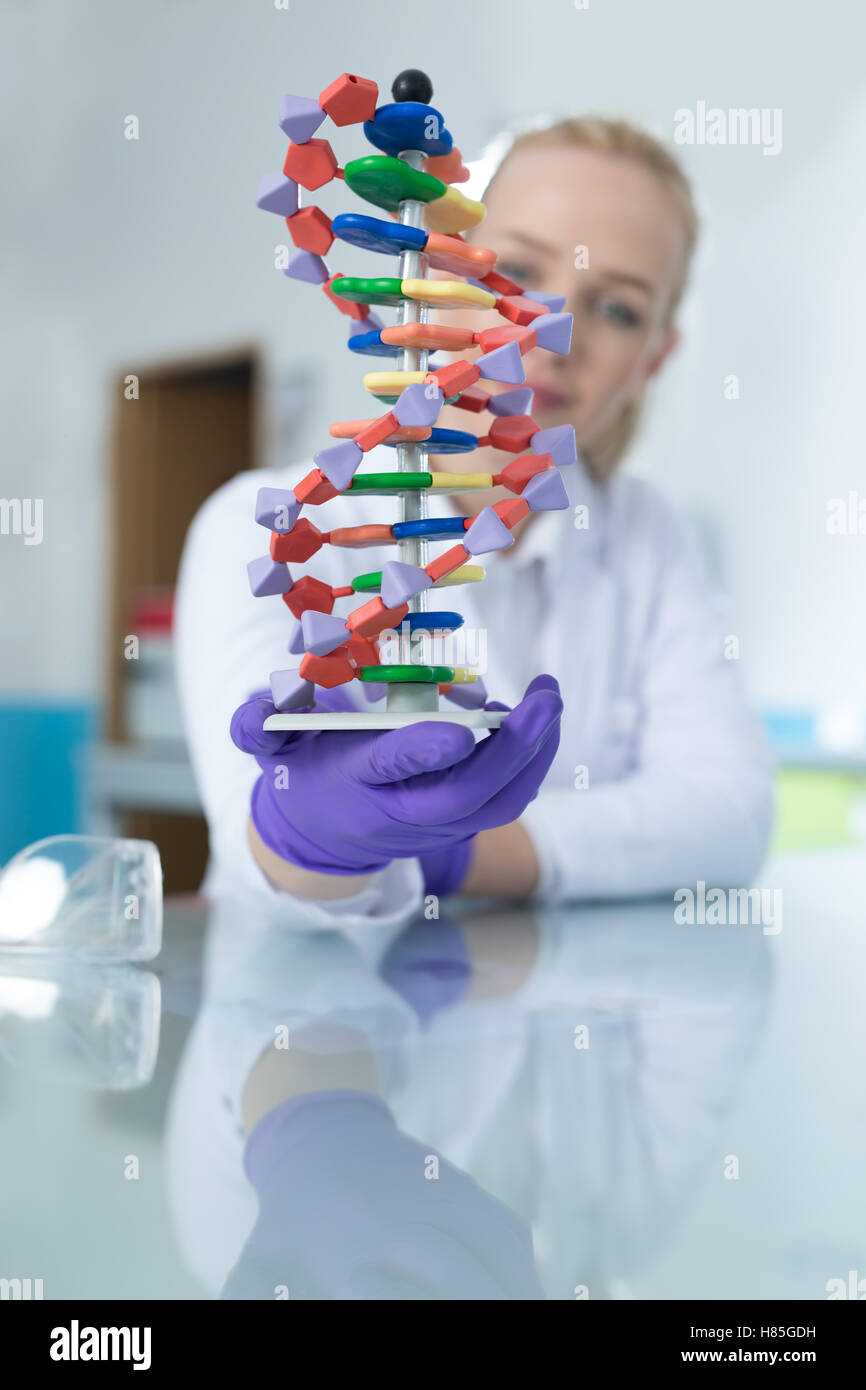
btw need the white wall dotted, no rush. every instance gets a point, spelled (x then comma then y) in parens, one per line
(122, 252)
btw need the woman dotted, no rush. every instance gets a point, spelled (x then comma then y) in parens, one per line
(655, 776)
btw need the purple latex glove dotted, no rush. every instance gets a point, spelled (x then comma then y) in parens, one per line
(346, 1212)
(352, 802)
(445, 869)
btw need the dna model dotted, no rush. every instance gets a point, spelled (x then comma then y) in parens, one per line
(413, 178)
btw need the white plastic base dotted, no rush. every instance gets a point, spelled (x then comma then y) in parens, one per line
(383, 719)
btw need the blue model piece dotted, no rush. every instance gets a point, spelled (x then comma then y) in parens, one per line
(372, 234)
(431, 529)
(371, 345)
(450, 441)
(437, 622)
(408, 125)
(443, 441)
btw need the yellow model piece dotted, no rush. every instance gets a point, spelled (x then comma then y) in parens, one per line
(392, 383)
(453, 212)
(449, 294)
(463, 482)
(466, 574)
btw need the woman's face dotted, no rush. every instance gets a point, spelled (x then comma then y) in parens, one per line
(601, 230)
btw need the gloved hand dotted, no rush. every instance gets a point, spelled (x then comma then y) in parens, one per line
(445, 869)
(352, 802)
(346, 1211)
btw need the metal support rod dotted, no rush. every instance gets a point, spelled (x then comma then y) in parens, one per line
(412, 458)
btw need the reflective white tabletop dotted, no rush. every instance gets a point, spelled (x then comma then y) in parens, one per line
(666, 1109)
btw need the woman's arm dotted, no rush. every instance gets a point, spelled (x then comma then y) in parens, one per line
(226, 645)
(504, 863)
(357, 815)
(279, 1075)
(698, 803)
(302, 883)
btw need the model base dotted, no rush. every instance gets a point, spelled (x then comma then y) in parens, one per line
(384, 719)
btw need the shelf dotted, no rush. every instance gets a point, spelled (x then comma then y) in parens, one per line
(141, 777)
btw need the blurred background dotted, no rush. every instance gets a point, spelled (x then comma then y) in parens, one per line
(151, 349)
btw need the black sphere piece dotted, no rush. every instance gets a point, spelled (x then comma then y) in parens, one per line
(412, 85)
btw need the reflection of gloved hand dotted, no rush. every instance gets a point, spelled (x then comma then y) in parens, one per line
(429, 965)
(346, 1212)
(352, 802)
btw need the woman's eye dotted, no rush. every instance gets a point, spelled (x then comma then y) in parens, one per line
(516, 270)
(618, 312)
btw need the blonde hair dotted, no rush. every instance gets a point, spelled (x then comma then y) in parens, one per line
(620, 138)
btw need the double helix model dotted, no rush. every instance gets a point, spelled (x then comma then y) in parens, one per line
(413, 179)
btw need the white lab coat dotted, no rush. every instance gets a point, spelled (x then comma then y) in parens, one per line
(661, 777)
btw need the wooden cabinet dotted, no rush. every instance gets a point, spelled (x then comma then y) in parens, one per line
(179, 430)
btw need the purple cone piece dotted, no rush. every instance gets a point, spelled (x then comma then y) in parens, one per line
(471, 696)
(277, 508)
(300, 117)
(487, 532)
(546, 492)
(268, 577)
(558, 442)
(401, 582)
(554, 302)
(419, 404)
(296, 646)
(374, 690)
(340, 462)
(479, 285)
(289, 690)
(371, 324)
(323, 632)
(307, 266)
(516, 402)
(502, 364)
(553, 332)
(278, 194)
